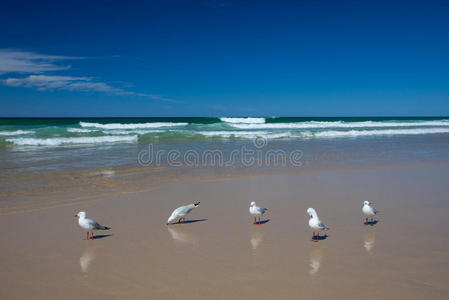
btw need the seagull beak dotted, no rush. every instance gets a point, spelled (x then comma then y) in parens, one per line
(76, 215)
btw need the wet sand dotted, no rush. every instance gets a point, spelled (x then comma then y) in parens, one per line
(221, 255)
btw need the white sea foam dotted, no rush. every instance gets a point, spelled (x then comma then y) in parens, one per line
(245, 134)
(357, 133)
(322, 134)
(243, 120)
(79, 130)
(133, 131)
(71, 140)
(340, 124)
(131, 125)
(16, 132)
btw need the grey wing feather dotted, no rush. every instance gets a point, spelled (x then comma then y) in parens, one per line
(261, 210)
(183, 210)
(97, 225)
(321, 225)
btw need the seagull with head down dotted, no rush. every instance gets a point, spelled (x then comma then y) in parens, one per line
(180, 213)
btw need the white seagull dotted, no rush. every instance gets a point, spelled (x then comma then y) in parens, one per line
(88, 224)
(315, 224)
(180, 213)
(256, 211)
(368, 210)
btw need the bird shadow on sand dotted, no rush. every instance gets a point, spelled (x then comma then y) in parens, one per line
(319, 238)
(101, 236)
(189, 221)
(262, 222)
(371, 223)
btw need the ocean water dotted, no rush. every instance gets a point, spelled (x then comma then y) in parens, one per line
(66, 143)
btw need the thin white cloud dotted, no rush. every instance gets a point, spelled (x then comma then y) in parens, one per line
(24, 62)
(49, 82)
(70, 83)
(16, 61)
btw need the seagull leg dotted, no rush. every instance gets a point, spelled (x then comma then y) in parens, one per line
(183, 220)
(92, 235)
(255, 222)
(87, 235)
(259, 220)
(313, 236)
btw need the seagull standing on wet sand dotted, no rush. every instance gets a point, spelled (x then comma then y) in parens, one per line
(256, 211)
(180, 213)
(316, 224)
(368, 210)
(88, 224)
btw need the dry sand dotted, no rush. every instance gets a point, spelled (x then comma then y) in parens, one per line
(222, 255)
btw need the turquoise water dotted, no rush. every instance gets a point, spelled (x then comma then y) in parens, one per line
(58, 132)
(35, 145)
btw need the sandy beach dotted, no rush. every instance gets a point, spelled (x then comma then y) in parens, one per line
(221, 254)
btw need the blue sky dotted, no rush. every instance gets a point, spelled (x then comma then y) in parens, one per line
(224, 58)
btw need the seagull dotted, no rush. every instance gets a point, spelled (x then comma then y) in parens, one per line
(315, 224)
(89, 224)
(180, 213)
(256, 211)
(368, 210)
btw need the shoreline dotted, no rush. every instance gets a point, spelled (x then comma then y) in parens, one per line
(97, 184)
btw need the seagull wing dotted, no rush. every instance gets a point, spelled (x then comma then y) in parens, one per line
(184, 210)
(322, 226)
(95, 225)
(260, 210)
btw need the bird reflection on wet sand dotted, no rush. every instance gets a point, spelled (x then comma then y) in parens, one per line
(86, 259)
(256, 239)
(316, 257)
(369, 239)
(180, 236)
